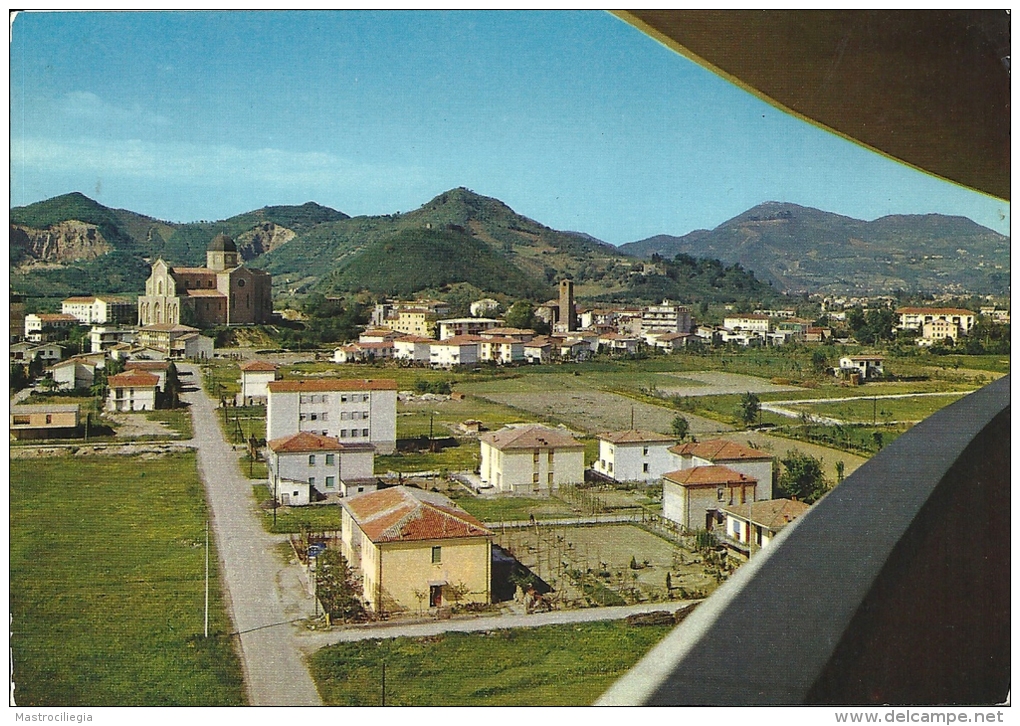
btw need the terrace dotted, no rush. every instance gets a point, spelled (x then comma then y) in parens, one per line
(893, 589)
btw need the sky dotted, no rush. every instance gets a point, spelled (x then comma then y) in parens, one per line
(574, 119)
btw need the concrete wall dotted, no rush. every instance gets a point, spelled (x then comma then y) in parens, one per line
(629, 460)
(287, 413)
(513, 471)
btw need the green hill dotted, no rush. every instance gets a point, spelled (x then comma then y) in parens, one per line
(421, 259)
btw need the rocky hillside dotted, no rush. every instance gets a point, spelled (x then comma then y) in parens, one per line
(60, 243)
(804, 249)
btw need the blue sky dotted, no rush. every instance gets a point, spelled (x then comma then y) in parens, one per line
(574, 119)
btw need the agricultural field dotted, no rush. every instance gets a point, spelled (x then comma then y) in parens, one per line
(609, 564)
(876, 410)
(505, 509)
(555, 665)
(106, 566)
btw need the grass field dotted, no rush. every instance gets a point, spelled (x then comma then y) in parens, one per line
(106, 565)
(317, 518)
(500, 509)
(177, 419)
(556, 665)
(881, 410)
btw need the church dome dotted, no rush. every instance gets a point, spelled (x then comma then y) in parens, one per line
(222, 243)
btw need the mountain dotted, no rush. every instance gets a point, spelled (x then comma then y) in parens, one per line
(800, 248)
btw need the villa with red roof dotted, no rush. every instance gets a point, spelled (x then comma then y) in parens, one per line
(306, 466)
(531, 460)
(132, 391)
(634, 455)
(754, 463)
(693, 497)
(415, 549)
(255, 376)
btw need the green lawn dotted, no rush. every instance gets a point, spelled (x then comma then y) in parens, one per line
(881, 410)
(499, 509)
(317, 518)
(107, 565)
(221, 378)
(556, 665)
(176, 419)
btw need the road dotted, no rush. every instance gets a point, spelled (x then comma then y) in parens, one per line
(263, 596)
(310, 642)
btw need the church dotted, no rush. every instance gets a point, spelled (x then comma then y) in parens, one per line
(224, 292)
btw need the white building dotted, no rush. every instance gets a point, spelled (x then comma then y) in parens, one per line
(501, 350)
(364, 351)
(132, 391)
(256, 375)
(72, 373)
(916, 318)
(751, 323)
(99, 309)
(484, 306)
(755, 464)
(634, 455)
(104, 337)
(412, 348)
(693, 497)
(304, 467)
(460, 350)
(867, 366)
(617, 343)
(454, 327)
(35, 322)
(530, 460)
(354, 410)
(759, 522)
(665, 318)
(538, 350)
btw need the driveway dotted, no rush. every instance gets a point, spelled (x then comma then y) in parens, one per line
(276, 674)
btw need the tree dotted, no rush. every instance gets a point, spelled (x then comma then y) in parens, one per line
(802, 477)
(520, 315)
(750, 408)
(819, 361)
(680, 427)
(19, 377)
(840, 469)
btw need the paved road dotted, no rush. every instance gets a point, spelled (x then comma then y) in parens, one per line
(275, 671)
(311, 642)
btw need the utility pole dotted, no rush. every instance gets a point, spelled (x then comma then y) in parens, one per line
(207, 578)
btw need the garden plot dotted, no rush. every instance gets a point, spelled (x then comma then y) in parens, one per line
(589, 565)
(714, 383)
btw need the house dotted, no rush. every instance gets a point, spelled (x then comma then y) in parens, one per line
(46, 353)
(500, 350)
(665, 318)
(45, 421)
(360, 352)
(304, 467)
(355, 410)
(255, 376)
(460, 350)
(756, 523)
(617, 343)
(815, 334)
(71, 374)
(39, 325)
(412, 348)
(454, 327)
(99, 309)
(521, 335)
(175, 341)
(710, 334)
(530, 459)
(749, 323)
(481, 308)
(224, 292)
(669, 342)
(755, 463)
(159, 369)
(865, 366)
(538, 350)
(634, 455)
(132, 391)
(692, 497)
(955, 321)
(415, 549)
(379, 335)
(105, 337)
(413, 321)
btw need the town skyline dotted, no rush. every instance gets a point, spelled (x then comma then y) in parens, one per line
(579, 120)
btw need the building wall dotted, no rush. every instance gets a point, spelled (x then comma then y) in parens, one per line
(131, 399)
(445, 356)
(521, 472)
(290, 412)
(321, 469)
(407, 566)
(629, 461)
(253, 384)
(688, 506)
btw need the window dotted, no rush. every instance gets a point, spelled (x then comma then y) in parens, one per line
(644, 451)
(343, 398)
(534, 457)
(364, 415)
(330, 482)
(356, 415)
(719, 493)
(361, 489)
(311, 481)
(302, 416)
(49, 419)
(354, 433)
(311, 460)
(550, 479)
(314, 416)
(551, 457)
(364, 398)
(644, 467)
(343, 433)
(364, 432)
(324, 415)
(437, 555)
(534, 478)
(330, 459)
(343, 415)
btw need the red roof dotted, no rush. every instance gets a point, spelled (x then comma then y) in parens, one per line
(151, 365)
(331, 384)
(634, 436)
(258, 366)
(773, 514)
(534, 436)
(460, 340)
(932, 311)
(708, 476)
(720, 450)
(138, 379)
(304, 441)
(415, 339)
(405, 514)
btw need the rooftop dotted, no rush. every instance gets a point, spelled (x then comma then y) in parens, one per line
(132, 378)
(773, 514)
(23, 408)
(332, 384)
(720, 450)
(634, 436)
(708, 476)
(304, 441)
(932, 311)
(258, 365)
(532, 436)
(403, 514)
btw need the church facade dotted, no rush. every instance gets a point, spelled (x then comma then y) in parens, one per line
(224, 292)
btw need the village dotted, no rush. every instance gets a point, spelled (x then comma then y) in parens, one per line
(513, 507)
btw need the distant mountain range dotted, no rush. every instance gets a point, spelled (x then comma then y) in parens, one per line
(73, 245)
(804, 249)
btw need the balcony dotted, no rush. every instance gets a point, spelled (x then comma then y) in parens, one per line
(893, 589)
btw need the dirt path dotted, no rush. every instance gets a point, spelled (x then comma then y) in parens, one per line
(264, 594)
